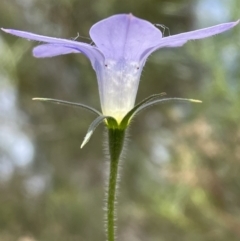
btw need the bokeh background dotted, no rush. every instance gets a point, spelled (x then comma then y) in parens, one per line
(181, 175)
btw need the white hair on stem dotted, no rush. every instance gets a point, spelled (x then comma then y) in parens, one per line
(107, 173)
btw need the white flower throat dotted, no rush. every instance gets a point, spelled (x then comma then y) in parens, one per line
(118, 84)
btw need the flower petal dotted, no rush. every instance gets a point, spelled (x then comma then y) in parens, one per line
(90, 51)
(124, 36)
(51, 50)
(164, 44)
(180, 39)
(202, 33)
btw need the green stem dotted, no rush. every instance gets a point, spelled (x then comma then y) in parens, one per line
(115, 144)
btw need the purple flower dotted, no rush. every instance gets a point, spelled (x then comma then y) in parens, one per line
(122, 44)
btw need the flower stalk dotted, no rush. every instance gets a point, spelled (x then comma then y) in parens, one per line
(115, 145)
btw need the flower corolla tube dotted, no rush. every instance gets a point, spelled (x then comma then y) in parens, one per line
(122, 44)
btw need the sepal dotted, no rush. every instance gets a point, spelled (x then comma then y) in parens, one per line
(161, 101)
(125, 121)
(148, 102)
(111, 123)
(67, 103)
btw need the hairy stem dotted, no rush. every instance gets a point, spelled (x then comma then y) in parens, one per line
(115, 145)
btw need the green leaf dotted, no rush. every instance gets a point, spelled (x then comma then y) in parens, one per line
(128, 116)
(112, 123)
(67, 103)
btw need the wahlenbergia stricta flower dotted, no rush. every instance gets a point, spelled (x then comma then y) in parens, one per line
(122, 44)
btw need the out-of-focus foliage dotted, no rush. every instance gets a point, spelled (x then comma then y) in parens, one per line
(180, 178)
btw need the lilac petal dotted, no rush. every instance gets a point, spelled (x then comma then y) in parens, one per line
(163, 44)
(90, 51)
(180, 39)
(51, 50)
(201, 33)
(124, 36)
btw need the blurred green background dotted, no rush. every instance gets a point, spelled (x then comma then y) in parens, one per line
(181, 175)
